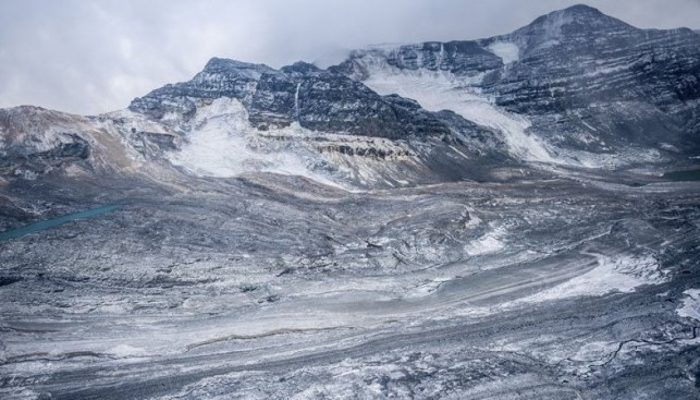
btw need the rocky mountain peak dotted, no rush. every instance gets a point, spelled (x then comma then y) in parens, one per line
(578, 24)
(301, 67)
(580, 14)
(228, 66)
(581, 9)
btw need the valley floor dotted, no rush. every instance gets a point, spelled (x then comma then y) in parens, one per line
(268, 286)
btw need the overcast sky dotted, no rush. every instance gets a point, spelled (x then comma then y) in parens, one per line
(90, 57)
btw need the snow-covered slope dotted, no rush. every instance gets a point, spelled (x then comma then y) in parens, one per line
(223, 143)
(440, 90)
(35, 141)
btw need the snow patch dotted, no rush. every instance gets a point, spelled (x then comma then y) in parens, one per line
(691, 305)
(621, 274)
(489, 243)
(124, 350)
(507, 51)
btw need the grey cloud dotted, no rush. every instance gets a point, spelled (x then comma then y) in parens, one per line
(92, 57)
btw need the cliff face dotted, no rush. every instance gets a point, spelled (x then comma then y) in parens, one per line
(319, 100)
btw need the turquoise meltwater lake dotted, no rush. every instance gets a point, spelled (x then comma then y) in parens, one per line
(51, 223)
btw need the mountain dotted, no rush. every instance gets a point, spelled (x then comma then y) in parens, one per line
(596, 91)
(573, 89)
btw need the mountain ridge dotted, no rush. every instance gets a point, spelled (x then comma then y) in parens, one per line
(573, 88)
